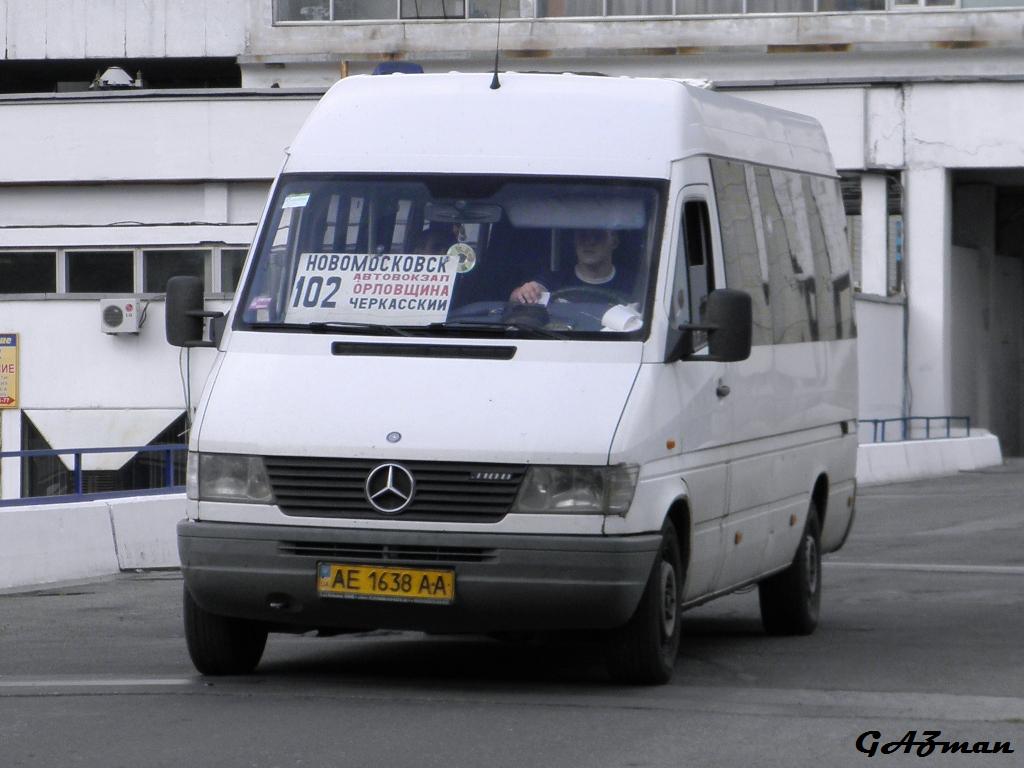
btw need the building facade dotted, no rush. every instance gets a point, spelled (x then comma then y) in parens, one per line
(104, 193)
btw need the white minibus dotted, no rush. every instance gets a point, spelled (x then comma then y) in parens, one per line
(572, 353)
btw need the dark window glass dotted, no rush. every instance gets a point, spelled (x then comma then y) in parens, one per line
(101, 272)
(790, 265)
(488, 9)
(743, 256)
(28, 272)
(161, 266)
(825, 205)
(694, 278)
(364, 9)
(433, 9)
(639, 7)
(558, 8)
(231, 261)
(851, 5)
(780, 6)
(709, 6)
(302, 10)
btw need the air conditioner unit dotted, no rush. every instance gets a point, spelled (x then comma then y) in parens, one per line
(119, 315)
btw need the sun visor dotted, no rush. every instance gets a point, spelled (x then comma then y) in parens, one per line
(100, 428)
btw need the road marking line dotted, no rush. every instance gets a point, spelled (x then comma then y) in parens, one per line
(1010, 570)
(96, 682)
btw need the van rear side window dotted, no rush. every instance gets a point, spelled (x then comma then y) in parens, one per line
(783, 243)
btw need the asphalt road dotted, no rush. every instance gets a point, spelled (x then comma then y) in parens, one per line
(922, 626)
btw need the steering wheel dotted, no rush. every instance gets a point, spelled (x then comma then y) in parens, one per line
(593, 293)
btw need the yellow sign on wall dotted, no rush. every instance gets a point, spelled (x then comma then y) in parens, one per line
(8, 370)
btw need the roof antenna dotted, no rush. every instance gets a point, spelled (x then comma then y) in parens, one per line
(495, 85)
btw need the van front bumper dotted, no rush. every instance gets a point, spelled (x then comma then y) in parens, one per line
(503, 582)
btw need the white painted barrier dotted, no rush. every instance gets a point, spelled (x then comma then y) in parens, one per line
(879, 463)
(62, 542)
(56, 542)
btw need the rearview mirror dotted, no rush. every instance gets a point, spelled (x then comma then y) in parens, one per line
(184, 313)
(729, 325)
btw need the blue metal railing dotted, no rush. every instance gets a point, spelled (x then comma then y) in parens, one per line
(168, 485)
(906, 427)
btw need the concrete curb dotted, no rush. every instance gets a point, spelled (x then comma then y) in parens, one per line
(879, 463)
(41, 544)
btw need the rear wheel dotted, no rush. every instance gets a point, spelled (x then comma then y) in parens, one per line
(220, 645)
(644, 651)
(791, 600)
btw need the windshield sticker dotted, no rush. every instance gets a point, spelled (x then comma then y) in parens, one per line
(466, 257)
(392, 288)
(296, 200)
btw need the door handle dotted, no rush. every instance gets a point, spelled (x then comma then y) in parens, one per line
(722, 390)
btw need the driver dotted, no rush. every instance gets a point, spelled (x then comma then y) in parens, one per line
(594, 269)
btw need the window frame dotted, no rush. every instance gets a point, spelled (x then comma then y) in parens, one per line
(532, 10)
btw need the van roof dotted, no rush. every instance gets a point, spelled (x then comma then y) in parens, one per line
(576, 125)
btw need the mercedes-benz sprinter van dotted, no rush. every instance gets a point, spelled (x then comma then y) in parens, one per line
(574, 353)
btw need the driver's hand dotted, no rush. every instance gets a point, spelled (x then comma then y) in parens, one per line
(528, 293)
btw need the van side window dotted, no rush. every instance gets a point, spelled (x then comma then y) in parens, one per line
(740, 251)
(791, 268)
(828, 221)
(694, 278)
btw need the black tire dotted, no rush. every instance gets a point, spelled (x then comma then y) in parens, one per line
(791, 600)
(644, 651)
(220, 645)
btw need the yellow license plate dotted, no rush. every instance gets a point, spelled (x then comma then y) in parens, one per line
(372, 582)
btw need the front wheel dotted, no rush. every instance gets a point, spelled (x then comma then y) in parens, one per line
(644, 651)
(219, 645)
(790, 601)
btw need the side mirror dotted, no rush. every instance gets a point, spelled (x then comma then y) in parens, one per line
(729, 327)
(184, 313)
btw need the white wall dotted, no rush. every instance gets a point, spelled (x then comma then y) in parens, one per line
(880, 350)
(67, 363)
(79, 29)
(146, 137)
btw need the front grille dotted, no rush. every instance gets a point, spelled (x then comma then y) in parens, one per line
(445, 492)
(386, 552)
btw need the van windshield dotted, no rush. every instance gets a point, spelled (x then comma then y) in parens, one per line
(456, 255)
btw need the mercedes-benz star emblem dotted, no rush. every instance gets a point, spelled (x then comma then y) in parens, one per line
(389, 488)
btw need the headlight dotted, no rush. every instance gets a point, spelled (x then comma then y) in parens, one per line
(224, 477)
(577, 490)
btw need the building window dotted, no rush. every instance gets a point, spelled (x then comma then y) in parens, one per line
(562, 8)
(780, 6)
(160, 266)
(407, 10)
(433, 9)
(639, 7)
(703, 7)
(100, 272)
(28, 272)
(231, 261)
(838, 6)
(851, 188)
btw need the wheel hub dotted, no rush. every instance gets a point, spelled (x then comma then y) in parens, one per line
(669, 601)
(811, 564)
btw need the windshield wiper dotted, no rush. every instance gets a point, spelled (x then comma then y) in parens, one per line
(376, 328)
(469, 325)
